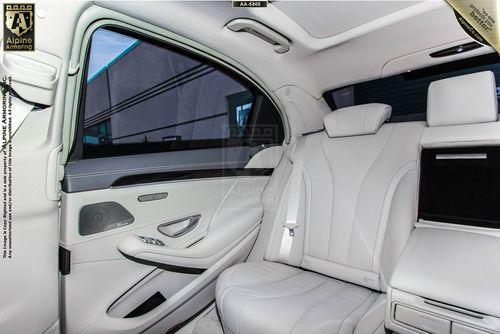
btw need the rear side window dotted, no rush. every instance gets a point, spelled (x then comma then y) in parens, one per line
(407, 93)
(143, 97)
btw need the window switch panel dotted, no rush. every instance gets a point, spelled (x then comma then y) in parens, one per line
(151, 241)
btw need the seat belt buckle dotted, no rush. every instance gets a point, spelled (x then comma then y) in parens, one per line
(291, 229)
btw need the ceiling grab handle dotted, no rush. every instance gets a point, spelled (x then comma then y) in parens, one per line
(281, 44)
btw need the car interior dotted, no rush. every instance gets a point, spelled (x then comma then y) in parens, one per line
(308, 167)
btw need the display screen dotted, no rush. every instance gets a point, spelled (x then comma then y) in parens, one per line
(461, 186)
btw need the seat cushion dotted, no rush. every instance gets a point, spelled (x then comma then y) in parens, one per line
(270, 297)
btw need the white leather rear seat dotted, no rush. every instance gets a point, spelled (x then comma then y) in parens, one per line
(357, 210)
(270, 297)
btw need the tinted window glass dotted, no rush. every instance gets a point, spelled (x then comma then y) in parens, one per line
(407, 93)
(145, 97)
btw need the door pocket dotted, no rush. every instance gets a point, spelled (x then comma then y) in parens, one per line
(148, 305)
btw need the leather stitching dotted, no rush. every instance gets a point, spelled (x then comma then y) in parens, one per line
(357, 308)
(274, 297)
(333, 194)
(390, 205)
(363, 129)
(317, 303)
(361, 186)
(225, 291)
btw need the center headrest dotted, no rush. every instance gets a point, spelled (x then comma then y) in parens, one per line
(358, 120)
(465, 99)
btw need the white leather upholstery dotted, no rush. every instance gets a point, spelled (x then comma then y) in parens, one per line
(446, 272)
(464, 99)
(475, 126)
(370, 322)
(481, 134)
(358, 205)
(465, 273)
(356, 214)
(269, 297)
(357, 120)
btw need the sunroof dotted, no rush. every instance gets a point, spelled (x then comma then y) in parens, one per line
(107, 47)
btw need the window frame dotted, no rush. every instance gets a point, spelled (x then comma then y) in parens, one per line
(76, 151)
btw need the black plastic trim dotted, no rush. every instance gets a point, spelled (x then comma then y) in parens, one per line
(148, 305)
(189, 175)
(64, 261)
(167, 267)
(12, 92)
(328, 97)
(456, 50)
(179, 325)
(457, 65)
(313, 132)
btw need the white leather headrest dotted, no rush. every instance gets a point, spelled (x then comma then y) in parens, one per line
(359, 120)
(466, 99)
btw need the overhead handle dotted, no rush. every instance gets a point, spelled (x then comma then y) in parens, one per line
(280, 43)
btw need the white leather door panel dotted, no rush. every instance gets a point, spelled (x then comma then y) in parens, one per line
(180, 203)
(175, 142)
(103, 285)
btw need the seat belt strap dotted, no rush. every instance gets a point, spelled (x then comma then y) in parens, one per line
(294, 190)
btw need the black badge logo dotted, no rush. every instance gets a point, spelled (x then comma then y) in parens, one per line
(19, 27)
(252, 4)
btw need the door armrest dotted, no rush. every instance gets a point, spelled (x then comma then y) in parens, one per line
(195, 258)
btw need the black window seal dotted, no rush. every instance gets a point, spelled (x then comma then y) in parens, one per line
(328, 96)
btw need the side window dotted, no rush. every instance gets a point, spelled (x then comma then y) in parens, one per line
(142, 97)
(407, 92)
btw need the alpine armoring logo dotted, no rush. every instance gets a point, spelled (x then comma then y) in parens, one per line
(19, 27)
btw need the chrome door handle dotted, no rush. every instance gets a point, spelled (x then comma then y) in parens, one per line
(179, 227)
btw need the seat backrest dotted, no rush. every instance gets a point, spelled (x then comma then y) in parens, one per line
(358, 196)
